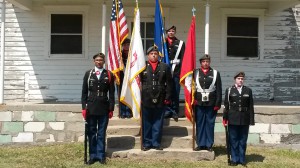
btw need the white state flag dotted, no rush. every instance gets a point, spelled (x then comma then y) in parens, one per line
(131, 88)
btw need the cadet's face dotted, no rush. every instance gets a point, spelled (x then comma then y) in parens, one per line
(99, 62)
(205, 64)
(171, 33)
(126, 46)
(239, 81)
(153, 56)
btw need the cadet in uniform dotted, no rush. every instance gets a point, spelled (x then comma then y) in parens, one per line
(125, 111)
(98, 102)
(238, 114)
(208, 100)
(176, 49)
(156, 94)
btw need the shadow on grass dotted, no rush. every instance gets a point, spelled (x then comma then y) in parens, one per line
(222, 150)
(255, 158)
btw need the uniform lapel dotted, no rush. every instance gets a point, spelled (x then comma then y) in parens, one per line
(94, 75)
(158, 67)
(103, 74)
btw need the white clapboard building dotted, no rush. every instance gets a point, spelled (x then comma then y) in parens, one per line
(41, 64)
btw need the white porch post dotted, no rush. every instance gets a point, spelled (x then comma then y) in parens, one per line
(103, 27)
(2, 52)
(207, 7)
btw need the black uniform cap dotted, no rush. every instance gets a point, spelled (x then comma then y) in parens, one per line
(127, 40)
(172, 27)
(204, 57)
(152, 48)
(239, 74)
(99, 55)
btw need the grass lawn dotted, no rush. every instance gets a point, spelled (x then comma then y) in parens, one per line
(71, 155)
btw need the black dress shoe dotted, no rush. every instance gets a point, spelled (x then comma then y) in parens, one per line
(197, 148)
(210, 149)
(233, 163)
(175, 117)
(244, 164)
(91, 161)
(158, 148)
(145, 148)
(102, 161)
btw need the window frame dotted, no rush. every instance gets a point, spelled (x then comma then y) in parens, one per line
(233, 12)
(76, 9)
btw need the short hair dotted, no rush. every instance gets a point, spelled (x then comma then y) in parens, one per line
(127, 40)
(99, 55)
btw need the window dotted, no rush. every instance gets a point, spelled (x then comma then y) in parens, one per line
(147, 34)
(67, 32)
(242, 34)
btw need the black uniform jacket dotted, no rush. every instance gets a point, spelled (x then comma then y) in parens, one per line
(215, 97)
(172, 50)
(156, 86)
(98, 96)
(239, 109)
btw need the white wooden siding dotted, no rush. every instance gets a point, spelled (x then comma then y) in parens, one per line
(275, 76)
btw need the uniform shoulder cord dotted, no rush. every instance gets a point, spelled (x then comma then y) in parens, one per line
(89, 80)
(229, 89)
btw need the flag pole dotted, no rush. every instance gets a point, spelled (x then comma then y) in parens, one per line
(141, 109)
(103, 27)
(207, 7)
(194, 106)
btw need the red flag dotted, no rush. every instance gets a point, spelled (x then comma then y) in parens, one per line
(186, 74)
(117, 33)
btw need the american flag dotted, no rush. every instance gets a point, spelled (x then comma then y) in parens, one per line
(117, 34)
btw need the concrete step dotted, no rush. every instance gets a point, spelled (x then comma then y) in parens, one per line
(127, 142)
(167, 122)
(134, 130)
(173, 154)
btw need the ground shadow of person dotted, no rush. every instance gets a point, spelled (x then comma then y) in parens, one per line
(255, 158)
(220, 150)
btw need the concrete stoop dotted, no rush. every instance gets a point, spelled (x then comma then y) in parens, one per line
(167, 153)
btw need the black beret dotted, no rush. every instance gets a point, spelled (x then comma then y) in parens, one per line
(127, 40)
(172, 27)
(99, 55)
(204, 57)
(152, 48)
(239, 74)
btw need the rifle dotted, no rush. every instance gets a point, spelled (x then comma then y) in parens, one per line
(85, 138)
(227, 144)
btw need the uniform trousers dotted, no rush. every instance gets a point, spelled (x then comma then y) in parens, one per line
(174, 109)
(125, 111)
(205, 125)
(152, 120)
(238, 135)
(97, 125)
